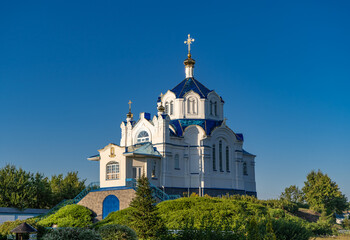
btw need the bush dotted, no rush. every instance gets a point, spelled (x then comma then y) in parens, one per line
(288, 229)
(121, 217)
(117, 232)
(69, 216)
(346, 223)
(71, 234)
(202, 234)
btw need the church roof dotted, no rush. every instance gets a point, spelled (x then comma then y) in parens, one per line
(181, 124)
(208, 125)
(142, 149)
(190, 84)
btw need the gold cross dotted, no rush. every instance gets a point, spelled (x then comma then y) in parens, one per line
(130, 102)
(189, 42)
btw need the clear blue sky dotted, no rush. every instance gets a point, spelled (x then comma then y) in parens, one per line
(68, 69)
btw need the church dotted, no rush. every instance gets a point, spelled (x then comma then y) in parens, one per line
(185, 148)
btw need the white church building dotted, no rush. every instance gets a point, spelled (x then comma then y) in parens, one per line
(186, 147)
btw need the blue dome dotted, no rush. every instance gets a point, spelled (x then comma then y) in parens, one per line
(190, 84)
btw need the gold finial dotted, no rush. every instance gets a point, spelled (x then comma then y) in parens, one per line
(130, 102)
(161, 108)
(129, 115)
(188, 42)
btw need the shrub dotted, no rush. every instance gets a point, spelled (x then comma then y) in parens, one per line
(117, 232)
(69, 216)
(71, 234)
(202, 234)
(121, 217)
(288, 229)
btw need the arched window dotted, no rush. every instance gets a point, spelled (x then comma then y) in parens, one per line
(211, 107)
(216, 108)
(191, 105)
(220, 156)
(245, 169)
(112, 171)
(214, 158)
(143, 137)
(171, 108)
(227, 159)
(166, 107)
(177, 162)
(154, 169)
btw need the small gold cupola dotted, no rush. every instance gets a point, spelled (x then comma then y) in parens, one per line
(189, 62)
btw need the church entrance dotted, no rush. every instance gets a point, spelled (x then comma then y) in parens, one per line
(110, 204)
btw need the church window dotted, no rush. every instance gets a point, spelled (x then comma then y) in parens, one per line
(245, 169)
(227, 159)
(171, 108)
(191, 106)
(143, 137)
(214, 156)
(211, 107)
(154, 169)
(216, 108)
(112, 171)
(220, 156)
(177, 162)
(166, 107)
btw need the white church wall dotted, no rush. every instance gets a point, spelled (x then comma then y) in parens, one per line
(107, 156)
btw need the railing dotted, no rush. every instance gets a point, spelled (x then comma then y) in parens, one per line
(156, 192)
(89, 188)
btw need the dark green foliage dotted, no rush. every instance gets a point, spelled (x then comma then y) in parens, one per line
(322, 194)
(71, 234)
(122, 217)
(320, 228)
(69, 216)
(67, 187)
(290, 229)
(144, 217)
(346, 223)
(16, 187)
(293, 194)
(41, 195)
(22, 189)
(117, 232)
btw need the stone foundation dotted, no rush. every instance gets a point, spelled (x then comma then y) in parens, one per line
(94, 200)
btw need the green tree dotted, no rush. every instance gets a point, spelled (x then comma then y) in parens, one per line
(145, 218)
(323, 194)
(65, 187)
(41, 194)
(16, 187)
(293, 194)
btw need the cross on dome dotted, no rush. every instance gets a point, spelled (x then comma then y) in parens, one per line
(130, 102)
(188, 42)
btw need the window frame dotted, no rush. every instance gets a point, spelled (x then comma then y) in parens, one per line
(112, 170)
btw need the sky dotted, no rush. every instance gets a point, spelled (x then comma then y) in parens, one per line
(69, 68)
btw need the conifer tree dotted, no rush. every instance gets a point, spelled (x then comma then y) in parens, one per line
(145, 219)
